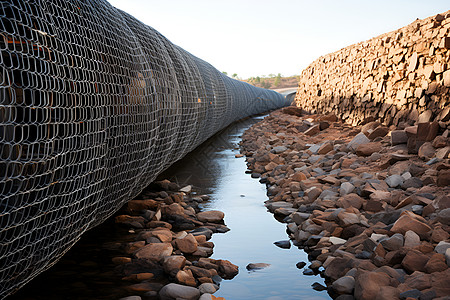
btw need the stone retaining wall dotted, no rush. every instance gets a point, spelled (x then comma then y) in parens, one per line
(394, 77)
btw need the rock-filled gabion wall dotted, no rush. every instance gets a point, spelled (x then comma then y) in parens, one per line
(94, 104)
(394, 77)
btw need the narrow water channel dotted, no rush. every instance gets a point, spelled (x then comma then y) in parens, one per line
(214, 170)
(86, 271)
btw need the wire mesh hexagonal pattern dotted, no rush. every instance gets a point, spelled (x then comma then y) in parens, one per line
(93, 106)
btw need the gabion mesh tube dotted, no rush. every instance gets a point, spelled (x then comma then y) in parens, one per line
(93, 106)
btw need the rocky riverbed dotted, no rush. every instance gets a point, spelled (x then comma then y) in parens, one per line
(370, 204)
(170, 241)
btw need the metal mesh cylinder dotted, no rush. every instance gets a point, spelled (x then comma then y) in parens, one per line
(93, 105)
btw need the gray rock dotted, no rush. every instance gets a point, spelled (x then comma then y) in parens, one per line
(444, 216)
(417, 209)
(447, 256)
(415, 294)
(314, 148)
(395, 242)
(257, 266)
(442, 247)
(337, 241)
(279, 149)
(412, 182)
(205, 297)
(394, 180)
(187, 189)
(299, 217)
(283, 244)
(300, 264)
(318, 287)
(308, 272)
(208, 288)
(131, 298)
(202, 231)
(366, 175)
(346, 188)
(359, 139)
(177, 291)
(398, 137)
(411, 239)
(344, 285)
(314, 158)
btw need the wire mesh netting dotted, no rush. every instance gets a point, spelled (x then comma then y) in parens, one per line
(93, 105)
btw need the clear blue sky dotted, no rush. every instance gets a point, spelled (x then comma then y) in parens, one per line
(259, 37)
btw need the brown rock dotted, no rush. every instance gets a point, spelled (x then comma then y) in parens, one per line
(329, 117)
(414, 261)
(172, 209)
(443, 202)
(156, 224)
(163, 234)
(132, 221)
(173, 264)
(427, 131)
(388, 293)
(410, 221)
(418, 280)
(338, 267)
(133, 246)
(325, 148)
(440, 141)
(368, 128)
(436, 263)
(186, 277)
(201, 272)
(121, 260)
(139, 205)
(313, 130)
(368, 284)
(426, 151)
(368, 149)
(299, 176)
(380, 131)
(439, 281)
(188, 244)
(443, 153)
(212, 216)
(142, 287)
(443, 178)
(398, 137)
(439, 234)
(293, 110)
(350, 200)
(226, 269)
(154, 251)
(373, 206)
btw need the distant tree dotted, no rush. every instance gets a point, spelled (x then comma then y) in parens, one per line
(235, 76)
(265, 84)
(271, 75)
(277, 80)
(226, 73)
(258, 79)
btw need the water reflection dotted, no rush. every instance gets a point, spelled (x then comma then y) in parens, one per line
(214, 169)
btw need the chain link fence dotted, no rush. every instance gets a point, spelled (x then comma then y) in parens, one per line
(93, 105)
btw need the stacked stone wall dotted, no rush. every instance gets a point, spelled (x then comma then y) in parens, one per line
(396, 77)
